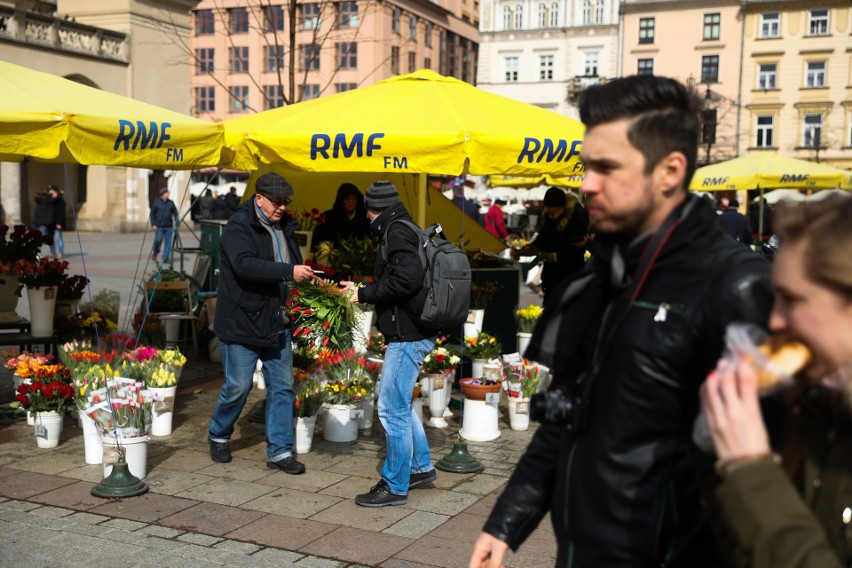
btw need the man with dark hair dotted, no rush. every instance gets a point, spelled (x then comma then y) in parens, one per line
(164, 219)
(735, 223)
(562, 238)
(259, 256)
(397, 284)
(629, 340)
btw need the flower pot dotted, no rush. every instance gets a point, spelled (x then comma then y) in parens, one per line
(361, 330)
(135, 454)
(48, 428)
(305, 426)
(91, 439)
(42, 306)
(304, 239)
(477, 367)
(366, 406)
(523, 342)
(9, 300)
(163, 410)
(473, 325)
(172, 327)
(479, 420)
(341, 423)
(478, 392)
(437, 399)
(519, 413)
(448, 392)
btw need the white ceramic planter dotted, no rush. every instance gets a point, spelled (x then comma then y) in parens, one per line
(366, 406)
(479, 421)
(135, 454)
(437, 399)
(48, 428)
(519, 413)
(473, 325)
(305, 427)
(523, 342)
(91, 439)
(341, 423)
(163, 410)
(42, 306)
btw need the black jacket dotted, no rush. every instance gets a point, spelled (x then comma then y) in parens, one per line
(561, 236)
(43, 215)
(736, 224)
(623, 491)
(339, 226)
(59, 207)
(397, 284)
(251, 283)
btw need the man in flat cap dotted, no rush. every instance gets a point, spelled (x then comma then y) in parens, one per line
(258, 257)
(396, 286)
(164, 217)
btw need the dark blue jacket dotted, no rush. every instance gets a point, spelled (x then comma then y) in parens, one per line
(736, 225)
(163, 213)
(252, 284)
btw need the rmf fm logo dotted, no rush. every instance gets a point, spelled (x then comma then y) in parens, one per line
(146, 136)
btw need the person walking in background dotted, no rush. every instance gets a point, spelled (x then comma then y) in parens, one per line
(466, 205)
(629, 339)
(205, 205)
(259, 257)
(562, 238)
(164, 219)
(347, 218)
(232, 200)
(57, 248)
(43, 214)
(803, 517)
(495, 220)
(220, 209)
(735, 224)
(397, 284)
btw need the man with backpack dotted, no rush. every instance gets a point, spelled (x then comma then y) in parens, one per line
(398, 291)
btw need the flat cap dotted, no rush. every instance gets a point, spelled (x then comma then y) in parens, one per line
(273, 185)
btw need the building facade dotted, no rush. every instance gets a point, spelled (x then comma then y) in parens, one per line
(253, 56)
(797, 80)
(545, 52)
(128, 49)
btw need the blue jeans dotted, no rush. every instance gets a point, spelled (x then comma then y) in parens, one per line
(238, 362)
(408, 449)
(164, 234)
(58, 246)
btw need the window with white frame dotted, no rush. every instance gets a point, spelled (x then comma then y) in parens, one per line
(545, 67)
(812, 131)
(770, 24)
(645, 67)
(273, 97)
(239, 98)
(587, 12)
(818, 22)
(764, 130)
(507, 17)
(591, 60)
(599, 11)
(815, 75)
(205, 99)
(554, 15)
(510, 68)
(542, 15)
(519, 17)
(767, 75)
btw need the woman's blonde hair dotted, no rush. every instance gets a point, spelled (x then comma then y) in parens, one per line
(826, 226)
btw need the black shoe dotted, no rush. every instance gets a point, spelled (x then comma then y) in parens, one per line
(220, 452)
(422, 478)
(380, 496)
(288, 465)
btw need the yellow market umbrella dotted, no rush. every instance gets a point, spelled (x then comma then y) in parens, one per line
(417, 123)
(574, 181)
(49, 118)
(764, 170)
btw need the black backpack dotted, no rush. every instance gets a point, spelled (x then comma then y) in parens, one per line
(446, 283)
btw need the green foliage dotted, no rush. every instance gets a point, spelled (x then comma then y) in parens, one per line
(353, 257)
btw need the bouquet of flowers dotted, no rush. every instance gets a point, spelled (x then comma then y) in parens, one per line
(441, 360)
(481, 295)
(527, 318)
(347, 381)
(49, 390)
(122, 408)
(22, 243)
(323, 315)
(72, 288)
(89, 379)
(174, 360)
(352, 256)
(308, 220)
(376, 346)
(24, 364)
(310, 394)
(40, 273)
(483, 346)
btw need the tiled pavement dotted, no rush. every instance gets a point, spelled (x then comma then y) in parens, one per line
(199, 513)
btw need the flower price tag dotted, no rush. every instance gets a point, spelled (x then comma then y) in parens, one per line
(438, 383)
(492, 397)
(41, 431)
(522, 408)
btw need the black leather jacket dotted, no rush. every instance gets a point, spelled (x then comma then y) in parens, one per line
(623, 491)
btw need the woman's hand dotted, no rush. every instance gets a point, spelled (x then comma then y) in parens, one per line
(350, 287)
(729, 399)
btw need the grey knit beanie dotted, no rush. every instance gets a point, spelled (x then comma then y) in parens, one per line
(381, 195)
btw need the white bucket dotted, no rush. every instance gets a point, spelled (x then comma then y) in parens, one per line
(523, 342)
(519, 413)
(42, 307)
(473, 325)
(258, 379)
(135, 454)
(341, 423)
(366, 405)
(476, 368)
(163, 410)
(361, 330)
(48, 428)
(479, 421)
(91, 439)
(172, 326)
(305, 433)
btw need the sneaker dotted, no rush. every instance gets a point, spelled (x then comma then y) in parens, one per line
(422, 478)
(380, 496)
(288, 465)
(220, 452)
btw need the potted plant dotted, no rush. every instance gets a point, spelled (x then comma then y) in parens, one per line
(376, 346)
(346, 383)
(22, 243)
(479, 349)
(526, 319)
(521, 380)
(88, 373)
(42, 278)
(438, 365)
(46, 398)
(69, 294)
(310, 396)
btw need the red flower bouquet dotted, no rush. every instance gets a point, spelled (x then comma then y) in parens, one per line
(44, 272)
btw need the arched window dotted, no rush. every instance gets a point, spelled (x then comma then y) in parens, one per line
(507, 17)
(554, 15)
(599, 11)
(519, 17)
(542, 15)
(587, 12)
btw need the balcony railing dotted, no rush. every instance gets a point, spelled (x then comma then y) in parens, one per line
(62, 35)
